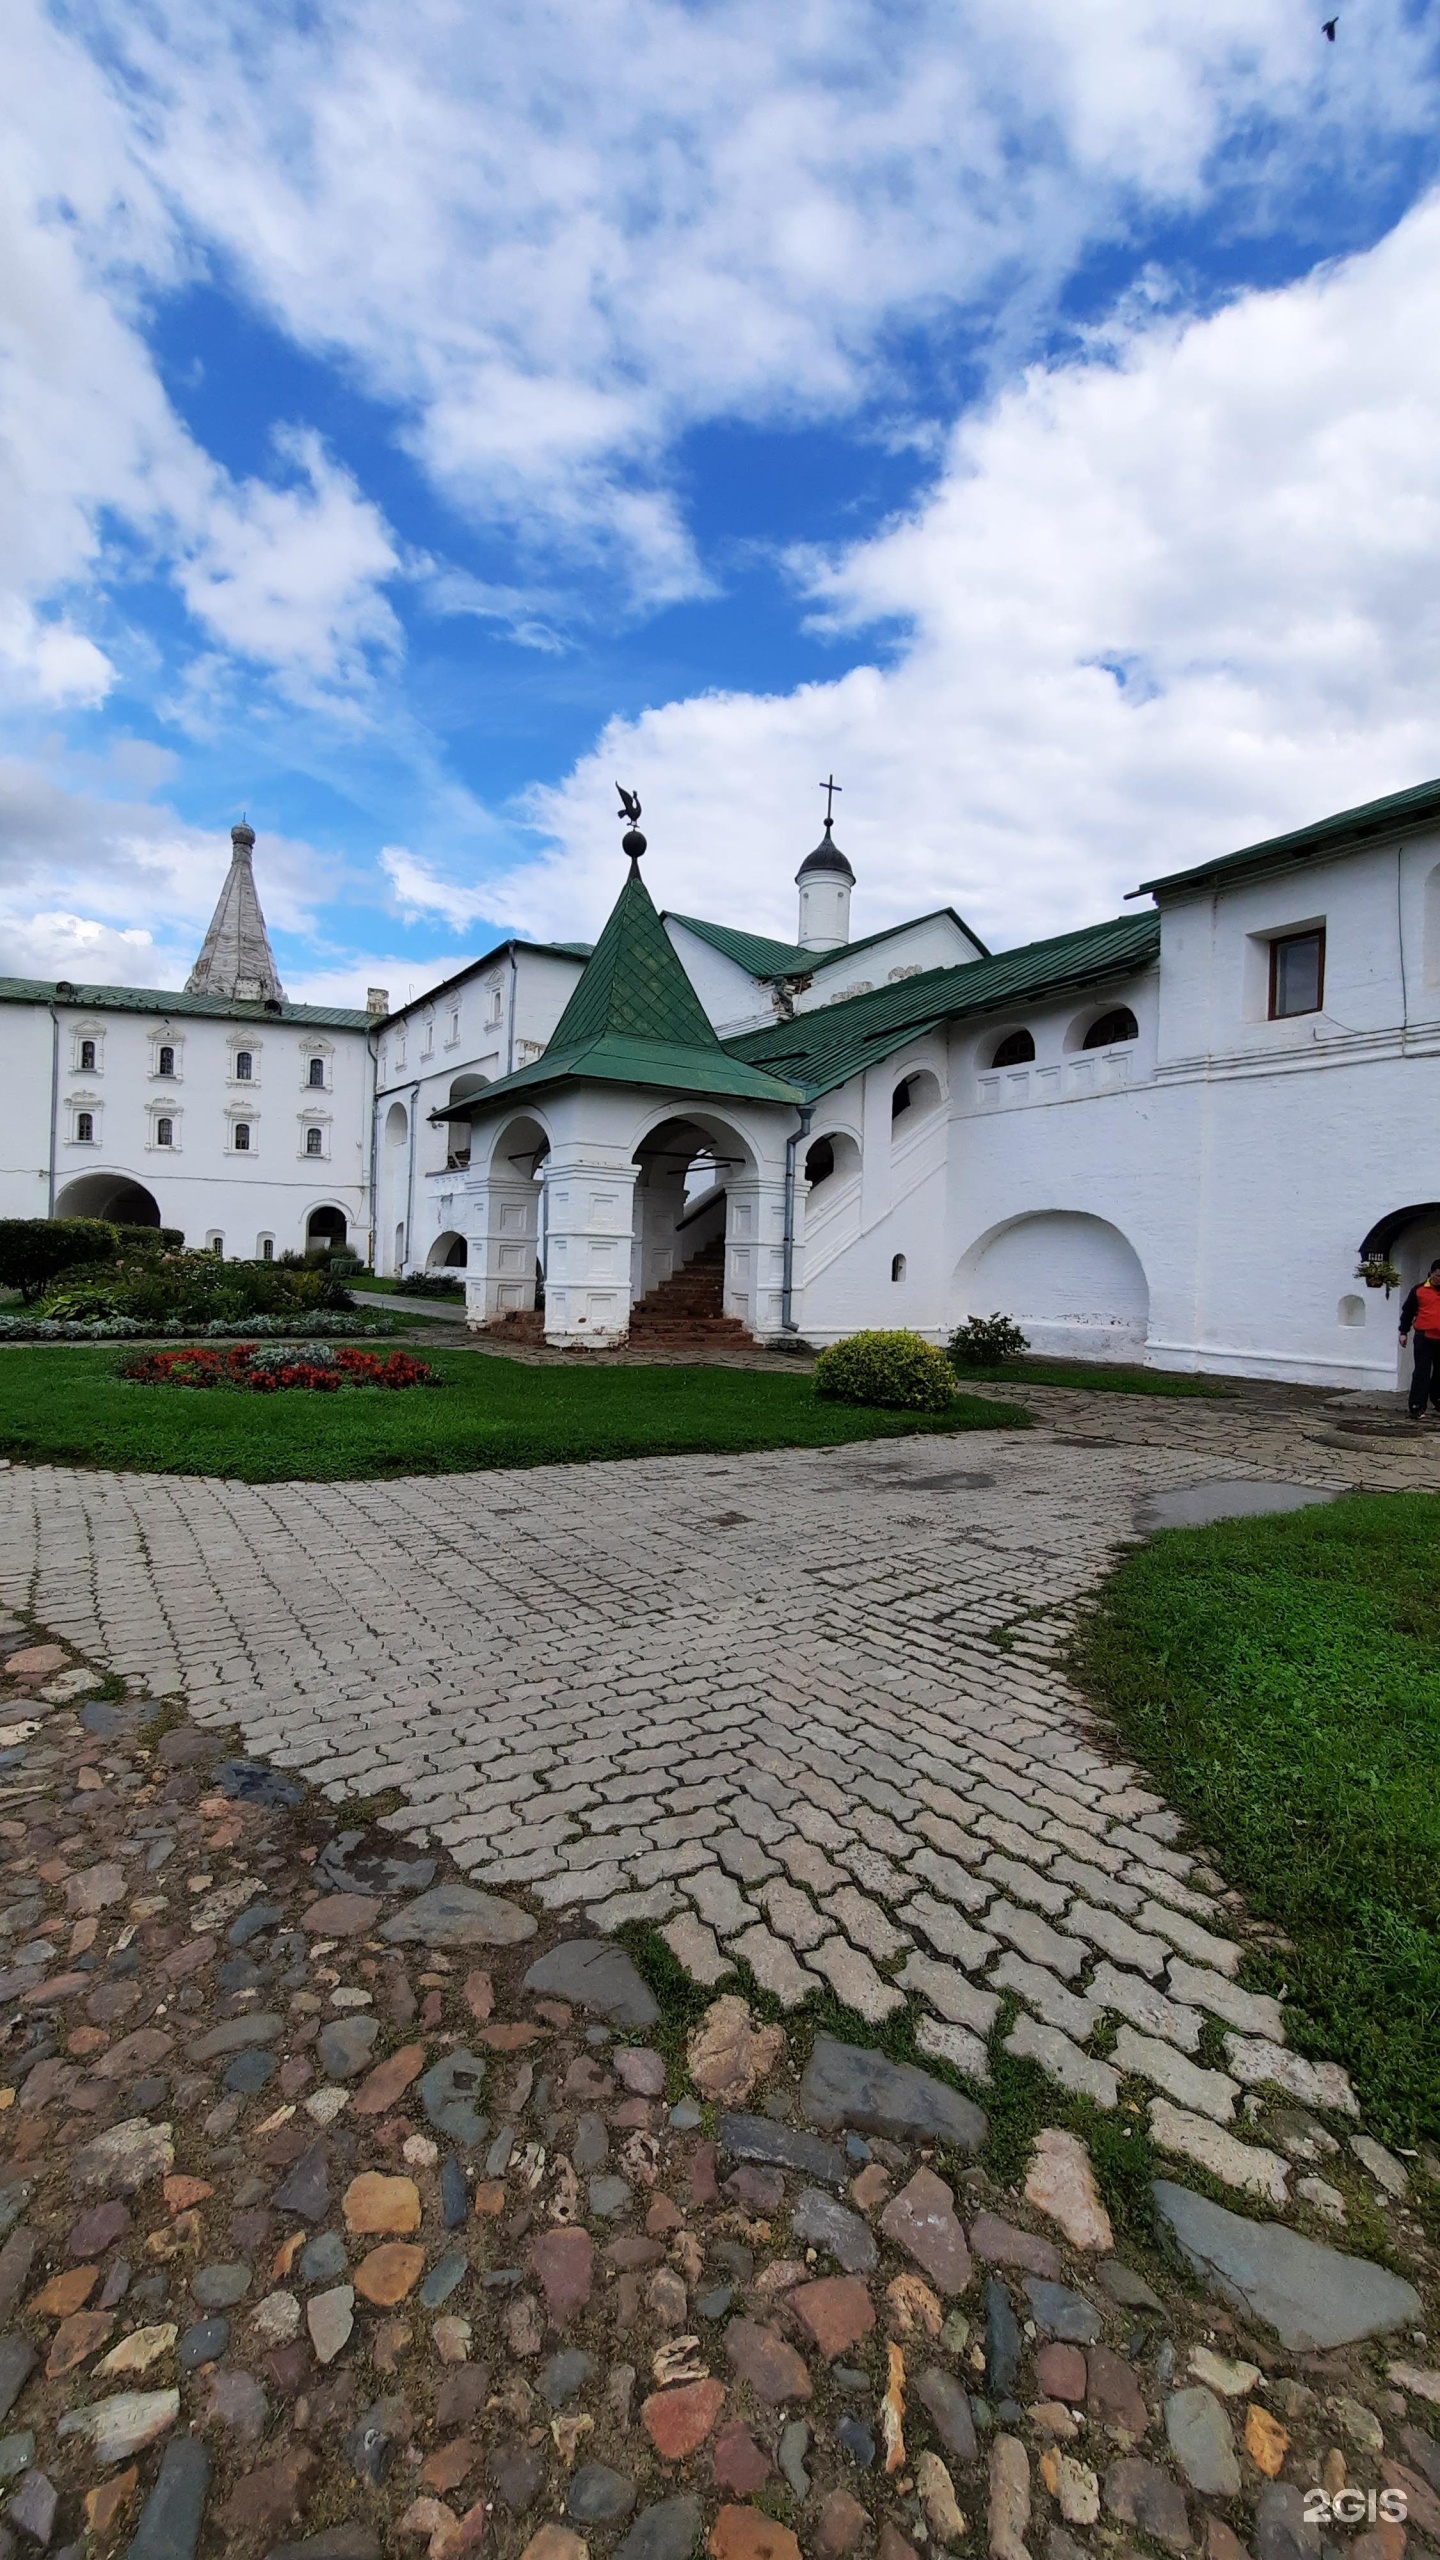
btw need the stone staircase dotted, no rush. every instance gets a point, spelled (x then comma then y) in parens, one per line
(686, 1311)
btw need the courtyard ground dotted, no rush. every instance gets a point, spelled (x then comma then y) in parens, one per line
(793, 1725)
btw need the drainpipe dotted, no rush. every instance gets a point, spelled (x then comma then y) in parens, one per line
(787, 1289)
(409, 1253)
(372, 1047)
(514, 985)
(54, 1104)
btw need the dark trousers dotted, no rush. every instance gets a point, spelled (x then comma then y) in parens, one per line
(1425, 1376)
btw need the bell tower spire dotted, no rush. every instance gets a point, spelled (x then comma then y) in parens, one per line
(236, 960)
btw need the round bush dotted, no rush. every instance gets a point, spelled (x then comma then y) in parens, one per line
(899, 1371)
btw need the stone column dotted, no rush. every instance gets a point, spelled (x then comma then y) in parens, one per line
(755, 1253)
(502, 1222)
(590, 1218)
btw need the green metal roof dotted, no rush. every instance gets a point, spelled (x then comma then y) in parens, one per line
(634, 1018)
(87, 999)
(1415, 808)
(761, 958)
(825, 1048)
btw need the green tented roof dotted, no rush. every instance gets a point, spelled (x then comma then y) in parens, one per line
(634, 1018)
(1414, 808)
(828, 1046)
(762, 958)
(88, 999)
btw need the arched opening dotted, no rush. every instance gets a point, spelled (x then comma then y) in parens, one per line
(1017, 1049)
(457, 1144)
(1110, 1029)
(832, 1158)
(687, 1166)
(897, 1266)
(1072, 1282)
(914, 1095)
(325, 1233)
(449, 1252)
(1408, 1239)
(397, 1125)
(116, 1196)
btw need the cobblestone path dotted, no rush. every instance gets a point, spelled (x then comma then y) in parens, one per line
(801, 1708)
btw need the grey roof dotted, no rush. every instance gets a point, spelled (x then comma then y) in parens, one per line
(235, 956)
(168, 1001)
(1418, 807)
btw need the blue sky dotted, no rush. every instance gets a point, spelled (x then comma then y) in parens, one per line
(415, 417)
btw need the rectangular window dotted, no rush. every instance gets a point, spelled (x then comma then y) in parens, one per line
(165, 1063)
(314, 1142)
(242, 1137)
(164, 1133)
(244, 1066)
(85, 1128)
(1297, 973)
(267, 1248)
(317, 1071)
(87, 1057)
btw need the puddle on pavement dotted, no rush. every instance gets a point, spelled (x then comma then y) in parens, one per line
(1191, 1506)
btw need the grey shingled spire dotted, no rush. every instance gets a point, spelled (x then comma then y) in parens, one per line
(236, 959)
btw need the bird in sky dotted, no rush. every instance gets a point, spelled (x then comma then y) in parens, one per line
(1329, 28)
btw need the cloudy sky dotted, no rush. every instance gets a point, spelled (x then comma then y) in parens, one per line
(415, 416)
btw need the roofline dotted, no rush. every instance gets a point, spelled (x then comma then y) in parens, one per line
(1278, 853)
(458, 977)
(83, 998)
(817, 960)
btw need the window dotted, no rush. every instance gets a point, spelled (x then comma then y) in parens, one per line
(1297, 973)
(427, 1036)
(900, 1100)
(216, 1245)
(1015, 1050)
(165, 1062)
(242, 1137)
(267, 1248)
(820, 1161)
(85, 1128)
(314, 1142)
(494, 1006)
(164, 1133)
(244, 1066)
(897, 1266)
(87, 1057)
(317, 1071)
(1111, 1029)
(455, 1024)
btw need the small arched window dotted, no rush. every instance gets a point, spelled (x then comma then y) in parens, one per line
(216, 1245)
(267, 1248)
(1015, 1050)
(897, 1266)
(1111, 1029)
(244, 1066)
(85, 1128)
(164, 1133)
(242, 1137)
(820, 1161)
(902, 1097)
(87, 1057)
(165, 1063)
(317, 1071)
(314, 1142)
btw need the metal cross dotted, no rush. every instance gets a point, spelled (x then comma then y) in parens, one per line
(829, 787)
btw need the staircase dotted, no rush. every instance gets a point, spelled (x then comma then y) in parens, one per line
(685, 1312)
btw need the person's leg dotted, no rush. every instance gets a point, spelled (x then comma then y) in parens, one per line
(1423, 1379)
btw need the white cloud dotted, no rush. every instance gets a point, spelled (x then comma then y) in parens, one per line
(1163, 602)
(290, 577)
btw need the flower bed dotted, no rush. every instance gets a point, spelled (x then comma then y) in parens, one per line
(318, 1328)
(318, 1370)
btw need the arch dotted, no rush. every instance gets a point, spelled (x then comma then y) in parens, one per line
(1410, 1238)
(462, 1087)
(834, 1153)
(449, 1252)
(518, 1145)
(325, 1230)
(897, 1266)
(1351, 1309)
(916, 1093)
(115, 1196)
(1071, 1281)
(397, 1125)
(1102, 1027)
(1017, 1049)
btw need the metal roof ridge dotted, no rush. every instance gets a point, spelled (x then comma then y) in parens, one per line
(1370, 817)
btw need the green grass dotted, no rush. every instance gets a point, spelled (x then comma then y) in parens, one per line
(368, 1286)
(1281, 1680)
(1089, 1373)
(69, 1405)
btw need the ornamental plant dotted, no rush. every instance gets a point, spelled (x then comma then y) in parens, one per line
(900, 1372)
(317, 1369)
(34, 1251)
(985, 1342)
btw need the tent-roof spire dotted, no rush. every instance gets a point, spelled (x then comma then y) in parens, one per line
(235, 958)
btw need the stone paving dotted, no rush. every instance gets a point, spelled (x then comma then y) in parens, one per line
(800, 1709)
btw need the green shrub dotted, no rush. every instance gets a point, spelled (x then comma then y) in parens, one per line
(193, 1289)
(432, 1284)
(985, 1341)
(900, 1372)
(34, 1251)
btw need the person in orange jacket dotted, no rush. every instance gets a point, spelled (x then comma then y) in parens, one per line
(1421, 1315)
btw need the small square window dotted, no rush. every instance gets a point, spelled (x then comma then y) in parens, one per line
(1297, 974)
(242, 1137)
(317, 1071)
(314, 1142)
(164, 1133)
(85, 1128)
(87, 1057)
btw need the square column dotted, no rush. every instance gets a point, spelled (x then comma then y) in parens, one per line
(502, 1225)
(589, 1230)
(755, 1253)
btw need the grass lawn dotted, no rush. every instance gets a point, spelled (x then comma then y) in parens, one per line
(1089, 1373)
(370, 1287)
(69, 1405)
(1281, 1680)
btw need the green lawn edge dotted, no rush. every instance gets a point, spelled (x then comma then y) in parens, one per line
(1095, 1375)
(1279, 1679)
(67, 1406)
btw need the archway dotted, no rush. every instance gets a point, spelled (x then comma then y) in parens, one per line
(325, 1233)
(1072, 1282)
(449, 1252)
(686, 1167)
(1410, 1239)
(831, 1158)
(912, 1097)
(115, 1196)
(457, 1141)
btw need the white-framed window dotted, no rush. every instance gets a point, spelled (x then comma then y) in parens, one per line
(264, 1248)
(84, 1126)
(400, 1055)
(314, 1140)
(452, 1031)
(242, 1137)
(215, 1243)
(164, 1129)
(243, 1064)
(167, 1057)
(315, 1073)
(494, 1005)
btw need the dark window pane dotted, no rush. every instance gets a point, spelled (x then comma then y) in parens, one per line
(1015, 1050)
(1296, 965)
(1112, 1028)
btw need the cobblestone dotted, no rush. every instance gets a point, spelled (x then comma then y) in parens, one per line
(853, 1979)
(1145, 2006)
(1064, 2061)
(947, 1989)
(1208, 2093)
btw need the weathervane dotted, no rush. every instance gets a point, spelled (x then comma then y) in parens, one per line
(632, 841)
(830, 786)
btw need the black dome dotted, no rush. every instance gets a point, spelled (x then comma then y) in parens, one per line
(827, 856)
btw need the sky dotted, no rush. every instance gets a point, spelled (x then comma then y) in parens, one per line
(415, 418)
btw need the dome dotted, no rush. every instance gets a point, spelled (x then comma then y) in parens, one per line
(827, 856)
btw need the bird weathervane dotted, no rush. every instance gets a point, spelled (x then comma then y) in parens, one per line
(632, 841)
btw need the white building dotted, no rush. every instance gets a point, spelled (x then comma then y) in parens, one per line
(221, 1110)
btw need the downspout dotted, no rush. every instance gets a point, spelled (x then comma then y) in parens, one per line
(372, 1045)
(514, 988)
(787, 1287)
(54, 1104)
(410, 1188)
